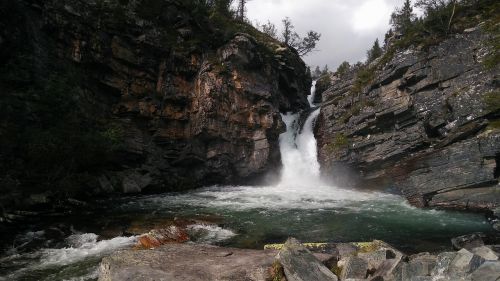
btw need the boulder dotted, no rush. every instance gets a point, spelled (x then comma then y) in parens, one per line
(468, 241)
(157, 237)
(443, 262)
(486, 253)
(299, 264)
(488, 271)
(418, 266)
(464, 263)
(353, 268)
(188, 262)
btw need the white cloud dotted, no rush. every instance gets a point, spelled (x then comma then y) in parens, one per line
(372, 15)
(348, 28)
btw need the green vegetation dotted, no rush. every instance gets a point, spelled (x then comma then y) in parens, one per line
(339, 143)
(374, 52)
(492, 101)
(440, 20)
(494, 125)
(303, 45)
(337, 270)
(343, 68)
(493, 28)
(278, 273)
(364, 77)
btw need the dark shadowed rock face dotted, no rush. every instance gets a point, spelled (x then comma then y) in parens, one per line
(425, 125)
(194, 109)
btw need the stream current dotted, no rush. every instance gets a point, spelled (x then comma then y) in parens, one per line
(300, 205)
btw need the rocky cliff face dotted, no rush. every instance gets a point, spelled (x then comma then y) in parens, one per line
(427, 125)
(193, 109)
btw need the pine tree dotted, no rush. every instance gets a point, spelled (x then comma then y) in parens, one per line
(402, 18)
(241, 11)
(325, 70)
(374, 52)
(317, 72)
(343, 68)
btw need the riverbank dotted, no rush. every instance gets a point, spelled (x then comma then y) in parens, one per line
(293, 261)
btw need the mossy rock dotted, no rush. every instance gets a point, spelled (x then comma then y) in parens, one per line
(310, 246)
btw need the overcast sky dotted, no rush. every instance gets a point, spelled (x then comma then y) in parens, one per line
(348, 27)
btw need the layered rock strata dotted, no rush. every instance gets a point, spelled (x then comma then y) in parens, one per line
(427, 125)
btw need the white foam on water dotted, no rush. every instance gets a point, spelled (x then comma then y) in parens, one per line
(208, 233)
(82, 246)
(79, 248)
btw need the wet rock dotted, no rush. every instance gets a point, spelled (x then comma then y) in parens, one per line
(376, 258)
(464, 262)
(188, 262)
(157, 237)
(488, 271)
(300, 265)
(418, 266)
(486, 253)
(468, 241)
(353, 268)
(442, 264)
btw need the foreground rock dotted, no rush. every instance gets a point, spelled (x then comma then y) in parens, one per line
(300, 264)
(188, 262)
(368, 261)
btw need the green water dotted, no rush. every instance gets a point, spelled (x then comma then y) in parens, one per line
(246, 217)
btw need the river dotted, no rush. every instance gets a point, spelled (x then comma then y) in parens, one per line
(300, 205)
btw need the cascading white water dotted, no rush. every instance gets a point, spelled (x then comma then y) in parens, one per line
(298, 149)
(299, 153)
(310, 98)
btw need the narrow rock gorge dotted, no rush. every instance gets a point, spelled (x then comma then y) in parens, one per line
(427, 125)
(181, 140)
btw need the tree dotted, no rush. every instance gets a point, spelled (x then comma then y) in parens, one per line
(291, 38)
(402, 18)
(241, 11)
(317, 72)
(221, 7)
(288, 35)
(308, 43)
(270, 29)
(325, 70)
(343, 68)
(439, 14)
(374, 52)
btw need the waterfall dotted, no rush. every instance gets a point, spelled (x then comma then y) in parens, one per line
(298, 149)
(311, 97)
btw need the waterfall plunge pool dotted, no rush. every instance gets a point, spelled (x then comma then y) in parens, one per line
(301, 205)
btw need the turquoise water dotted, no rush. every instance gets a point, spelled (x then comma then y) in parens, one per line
(260, 215)
(246, 217)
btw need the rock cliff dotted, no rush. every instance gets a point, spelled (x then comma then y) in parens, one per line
(195, 100)
(427, 125)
